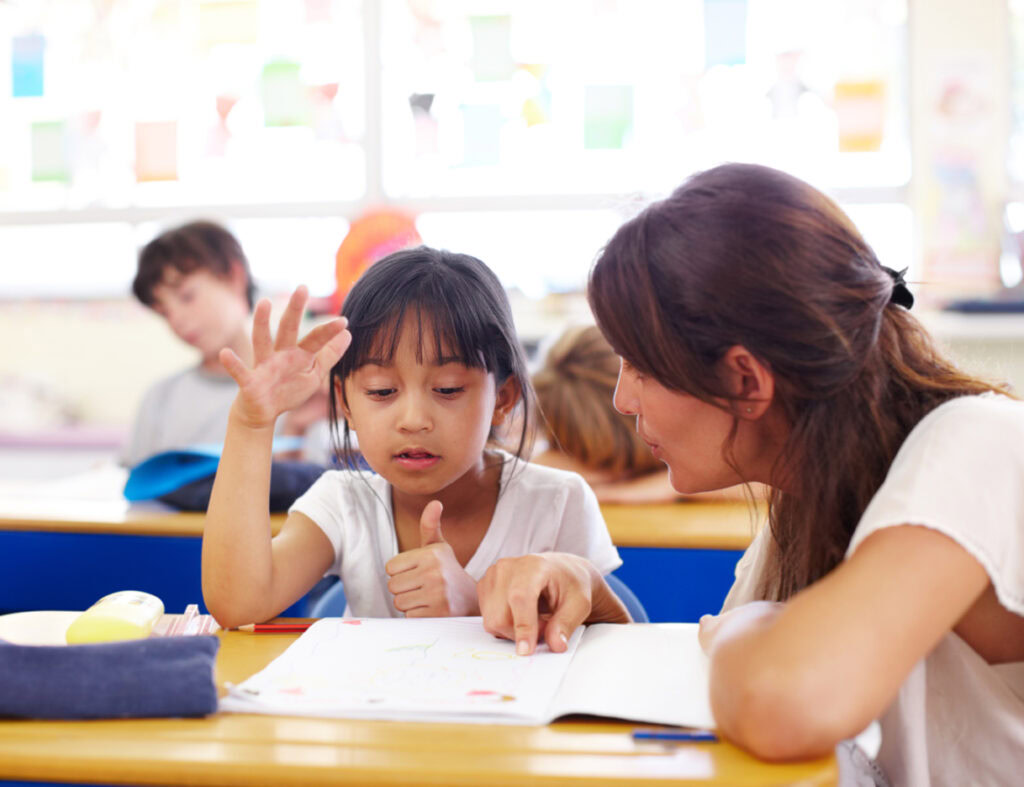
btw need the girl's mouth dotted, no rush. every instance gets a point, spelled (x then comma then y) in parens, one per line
(417, 459)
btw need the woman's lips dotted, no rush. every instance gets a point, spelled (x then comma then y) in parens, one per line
(654, 447)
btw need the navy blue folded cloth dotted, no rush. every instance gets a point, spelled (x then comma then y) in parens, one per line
(158, 676)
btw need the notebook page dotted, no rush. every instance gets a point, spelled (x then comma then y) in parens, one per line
(639, 672)
(429, 669)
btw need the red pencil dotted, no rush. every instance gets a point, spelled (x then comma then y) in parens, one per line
(275, 628)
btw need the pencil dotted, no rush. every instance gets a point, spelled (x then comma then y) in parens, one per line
(275, 628)
(674, 735)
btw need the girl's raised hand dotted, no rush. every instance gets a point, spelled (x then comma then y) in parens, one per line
(286, 371)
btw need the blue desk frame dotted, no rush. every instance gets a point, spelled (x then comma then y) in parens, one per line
(51, 570)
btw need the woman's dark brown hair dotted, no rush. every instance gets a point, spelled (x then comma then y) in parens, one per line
(574, 389)
(746, 255)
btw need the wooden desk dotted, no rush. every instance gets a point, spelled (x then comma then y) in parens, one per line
(228, 749)
(669, 525)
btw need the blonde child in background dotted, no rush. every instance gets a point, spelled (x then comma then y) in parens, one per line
(584, 433)
(425, 365)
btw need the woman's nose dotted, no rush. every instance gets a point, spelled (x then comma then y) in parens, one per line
(625, 400)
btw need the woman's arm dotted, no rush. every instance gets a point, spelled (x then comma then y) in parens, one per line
(247, 576)
(790, 681)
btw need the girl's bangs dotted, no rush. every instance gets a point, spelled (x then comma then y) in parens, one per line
(441, 337)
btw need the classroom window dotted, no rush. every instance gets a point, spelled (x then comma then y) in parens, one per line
(520, 131)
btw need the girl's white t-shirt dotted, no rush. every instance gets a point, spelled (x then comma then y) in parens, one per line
(957, 720)
(540, 509)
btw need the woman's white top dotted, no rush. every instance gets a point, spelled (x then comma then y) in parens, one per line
(539, 509)
(957, 720)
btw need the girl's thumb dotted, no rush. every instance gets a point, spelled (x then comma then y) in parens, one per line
(430, 524)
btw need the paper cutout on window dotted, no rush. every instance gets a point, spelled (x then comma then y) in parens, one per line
(492, 55)
(537, 108)
(725, 32)
(284, 98)
(27, 66)
(481, 135)
(318, 10)
(326, 120)
(156, 151)
(50, 153)
(424, 123)
(228, 22)
(860, 112)
(607, 116)
(220, 134)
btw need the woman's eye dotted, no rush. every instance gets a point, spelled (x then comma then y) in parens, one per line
(450, 391)
(379, 393)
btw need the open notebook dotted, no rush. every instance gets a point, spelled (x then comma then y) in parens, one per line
(450, 669)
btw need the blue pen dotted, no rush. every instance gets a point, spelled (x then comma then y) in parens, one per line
(674, 735)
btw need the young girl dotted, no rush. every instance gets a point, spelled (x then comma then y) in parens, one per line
(434, 366)
(761, 340)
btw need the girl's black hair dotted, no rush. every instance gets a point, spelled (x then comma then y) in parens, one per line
(466, 308)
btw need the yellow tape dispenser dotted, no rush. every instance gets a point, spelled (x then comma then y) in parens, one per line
(127, 614)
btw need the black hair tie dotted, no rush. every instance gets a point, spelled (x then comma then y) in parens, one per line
(901, 295)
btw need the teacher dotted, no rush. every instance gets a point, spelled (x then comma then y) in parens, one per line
(762, 341)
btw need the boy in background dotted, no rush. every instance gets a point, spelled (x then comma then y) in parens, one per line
(197, 278)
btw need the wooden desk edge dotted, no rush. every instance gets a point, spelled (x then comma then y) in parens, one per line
(666, 526)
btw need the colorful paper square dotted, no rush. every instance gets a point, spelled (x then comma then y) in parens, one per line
(725, 32)
(607, 116)
(27, 66)
(492, 53)
(50, 152)
(285, 102)
(156, 151)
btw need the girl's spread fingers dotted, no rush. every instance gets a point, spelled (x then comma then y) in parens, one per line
(288, 328)
(321, 335)
(233, 365)
(262, 345)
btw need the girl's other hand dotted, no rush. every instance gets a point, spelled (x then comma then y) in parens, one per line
(286, 372)
(428, 582)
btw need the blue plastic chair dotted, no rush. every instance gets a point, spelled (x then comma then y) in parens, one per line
(628, 597)
(331, 603)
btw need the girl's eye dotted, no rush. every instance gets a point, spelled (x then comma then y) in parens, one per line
(449, 391)
(379, 393)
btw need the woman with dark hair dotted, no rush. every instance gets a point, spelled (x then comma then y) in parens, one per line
(762, 341)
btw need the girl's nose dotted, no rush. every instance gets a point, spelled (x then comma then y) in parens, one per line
(414, 416)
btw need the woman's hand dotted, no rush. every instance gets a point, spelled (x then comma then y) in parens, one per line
(428, 582)
(286, 372)
(547, 596)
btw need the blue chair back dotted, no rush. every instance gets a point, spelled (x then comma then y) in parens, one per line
(331, 603)
(628, 597)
